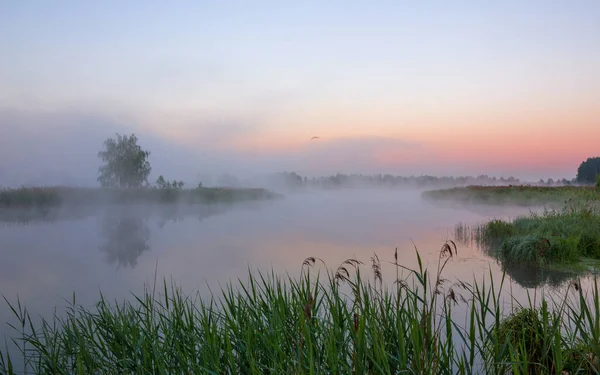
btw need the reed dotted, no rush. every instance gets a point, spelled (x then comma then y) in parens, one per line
(331, 322)
(556, 236)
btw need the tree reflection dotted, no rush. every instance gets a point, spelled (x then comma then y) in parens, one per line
(124, 237)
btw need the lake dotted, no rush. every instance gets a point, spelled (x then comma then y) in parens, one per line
(117, 250)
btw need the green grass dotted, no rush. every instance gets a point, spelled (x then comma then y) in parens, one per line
(557, 236)
(51, 197)
(522, 195)
(333, 322)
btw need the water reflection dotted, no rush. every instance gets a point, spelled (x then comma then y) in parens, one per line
(10, 217)
(124, 237)
(531, 277)
(125, 231)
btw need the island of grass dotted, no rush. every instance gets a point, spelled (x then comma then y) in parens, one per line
(54, 197)
(123, 177)
(521, 195)
(566, 236)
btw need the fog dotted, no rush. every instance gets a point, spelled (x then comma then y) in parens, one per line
(59, 147)
(329, 210)
(116, 249)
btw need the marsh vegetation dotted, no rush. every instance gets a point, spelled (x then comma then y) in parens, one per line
(558, 236)
(338, 321)
(522, 195)
(52, 197)
(123, 176)
(335, 321)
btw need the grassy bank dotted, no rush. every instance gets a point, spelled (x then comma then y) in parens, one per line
(517, 195)
(559, 236)
(333, 323)
(49, 197)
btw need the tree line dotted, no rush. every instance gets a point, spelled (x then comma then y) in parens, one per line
(126, 165)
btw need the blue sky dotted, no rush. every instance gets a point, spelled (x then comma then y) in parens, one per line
(254, 79)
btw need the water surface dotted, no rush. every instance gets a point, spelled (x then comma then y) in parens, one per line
(117, 250)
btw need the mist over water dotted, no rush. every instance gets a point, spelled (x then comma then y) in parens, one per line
(117, 250)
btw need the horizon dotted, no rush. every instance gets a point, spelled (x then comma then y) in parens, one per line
(468, 89)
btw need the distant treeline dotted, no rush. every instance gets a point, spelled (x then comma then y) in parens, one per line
(293, 179)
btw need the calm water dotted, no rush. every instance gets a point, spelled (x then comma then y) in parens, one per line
(118, 249)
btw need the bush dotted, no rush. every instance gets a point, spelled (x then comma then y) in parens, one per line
(525, 249)
(525, 331)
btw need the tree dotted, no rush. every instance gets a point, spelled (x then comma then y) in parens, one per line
(161, 183)
(125, 163)
(588, 170)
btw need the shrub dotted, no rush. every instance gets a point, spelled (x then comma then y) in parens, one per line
(525, 249)
(525, 332)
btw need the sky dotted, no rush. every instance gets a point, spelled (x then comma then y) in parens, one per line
(430, 87)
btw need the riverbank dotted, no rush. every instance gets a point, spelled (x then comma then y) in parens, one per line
(522, 195)
(52, 197)
(344, 322)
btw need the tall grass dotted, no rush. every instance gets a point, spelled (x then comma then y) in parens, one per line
(522, 195)
(557, 236)
(332, 322)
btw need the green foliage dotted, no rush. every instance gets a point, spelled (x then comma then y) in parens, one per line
(340, 324)
(556, 236)
(499, 228)
(588, 170)
(528, 331)
(25, 198)
(598, 182)
(125, 163)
